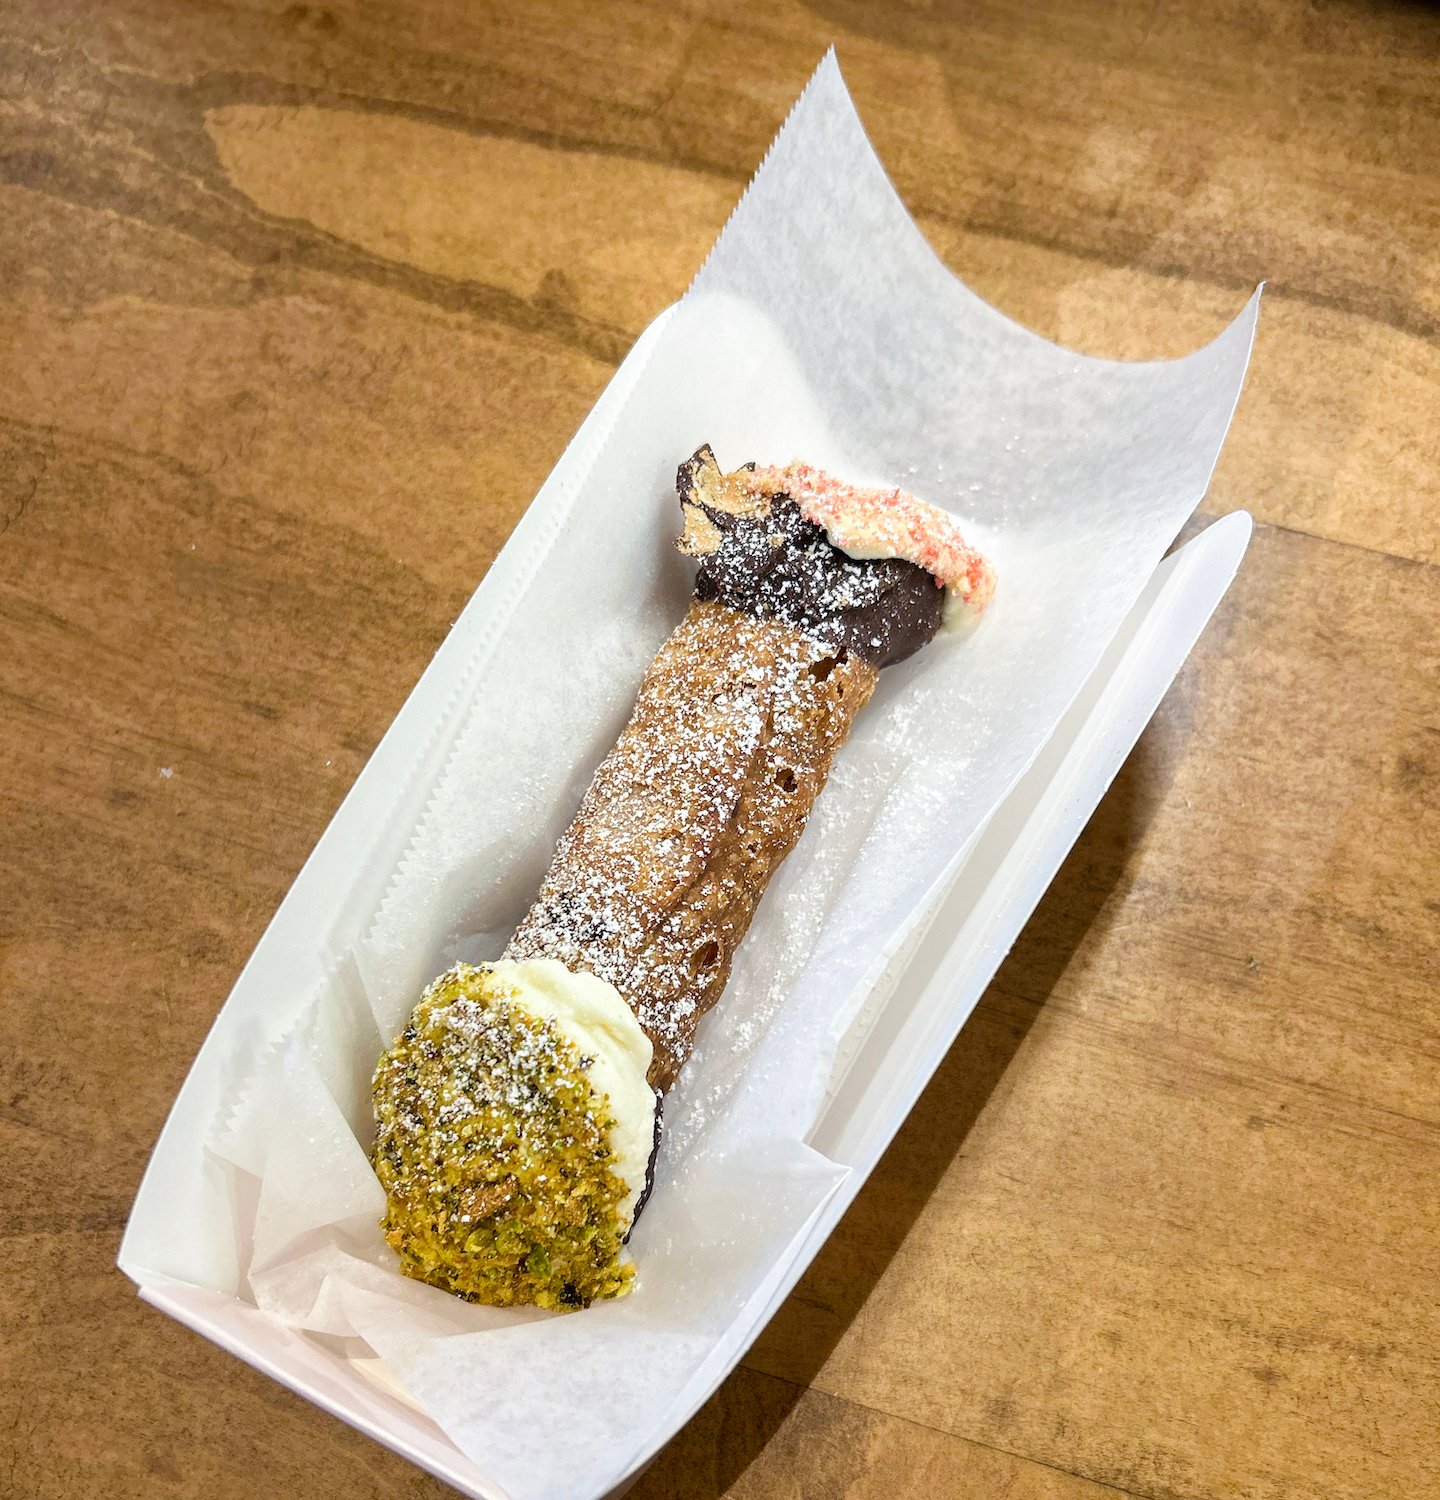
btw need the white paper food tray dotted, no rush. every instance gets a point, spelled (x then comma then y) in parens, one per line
(1017, 761)
(171, 1260)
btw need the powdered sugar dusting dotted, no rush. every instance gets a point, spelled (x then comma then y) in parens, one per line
(707, 790)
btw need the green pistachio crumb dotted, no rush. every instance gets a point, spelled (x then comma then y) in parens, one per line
(494, 1152)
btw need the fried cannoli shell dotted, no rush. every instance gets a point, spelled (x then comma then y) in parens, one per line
(711, 783)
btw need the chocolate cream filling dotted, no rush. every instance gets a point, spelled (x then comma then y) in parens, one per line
(757, 553)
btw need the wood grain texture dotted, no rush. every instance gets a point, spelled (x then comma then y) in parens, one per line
(298, 305)
(1188, 1245)
(818, 1445)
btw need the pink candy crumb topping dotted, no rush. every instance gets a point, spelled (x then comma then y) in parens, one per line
(871, 523)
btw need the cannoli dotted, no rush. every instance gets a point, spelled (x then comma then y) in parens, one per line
(519, 1111)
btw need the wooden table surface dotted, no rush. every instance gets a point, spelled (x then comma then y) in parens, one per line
(299, 302)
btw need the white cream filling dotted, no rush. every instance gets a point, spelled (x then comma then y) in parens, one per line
(589, 1013)
(957, 615)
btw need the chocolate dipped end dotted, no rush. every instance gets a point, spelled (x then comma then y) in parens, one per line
(757, 553)
(649, 1187)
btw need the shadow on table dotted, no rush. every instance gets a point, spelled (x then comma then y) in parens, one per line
(745, 1415)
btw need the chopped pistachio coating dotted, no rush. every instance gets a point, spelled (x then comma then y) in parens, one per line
(494, 1153)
